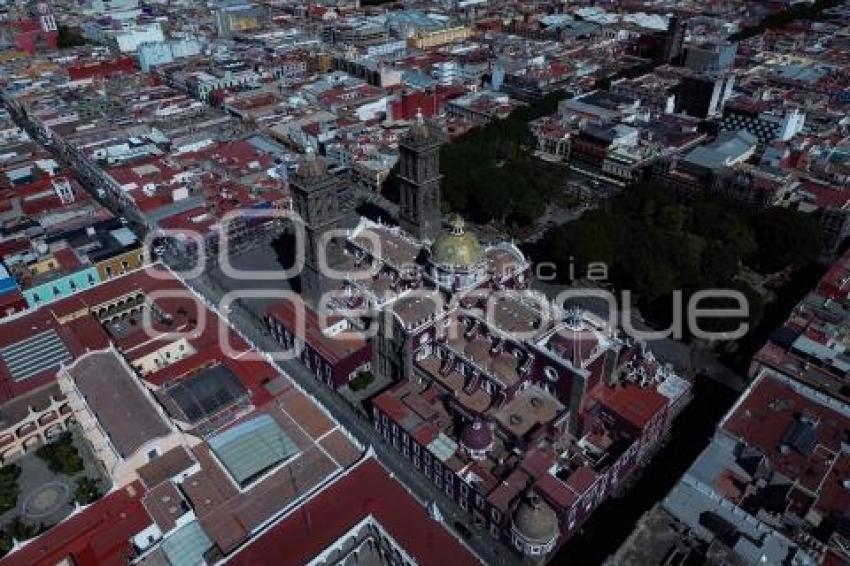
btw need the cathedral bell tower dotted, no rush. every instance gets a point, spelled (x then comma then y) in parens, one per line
(315, 194)
(419, 172)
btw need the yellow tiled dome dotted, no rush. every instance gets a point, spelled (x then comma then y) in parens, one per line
(457, 247)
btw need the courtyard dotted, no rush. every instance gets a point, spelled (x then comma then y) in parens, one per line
(49, 487)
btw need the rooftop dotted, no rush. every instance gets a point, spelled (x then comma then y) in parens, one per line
(252, 448)
(366, 491)
(118, 401)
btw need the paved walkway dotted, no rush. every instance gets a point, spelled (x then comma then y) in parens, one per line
(46, 497)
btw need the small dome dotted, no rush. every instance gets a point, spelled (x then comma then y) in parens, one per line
(458, 247)
(311, 166)
(476, 436)
(535, 521)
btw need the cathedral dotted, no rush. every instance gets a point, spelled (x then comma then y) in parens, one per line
(526, 412)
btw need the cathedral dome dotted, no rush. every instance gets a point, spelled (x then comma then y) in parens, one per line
(535, 521)
(457, 247)
(476, 436)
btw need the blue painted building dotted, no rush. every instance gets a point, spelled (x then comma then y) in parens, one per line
(60, 287)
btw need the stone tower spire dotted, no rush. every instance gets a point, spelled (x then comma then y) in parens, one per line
(315, 194)
(419, 172)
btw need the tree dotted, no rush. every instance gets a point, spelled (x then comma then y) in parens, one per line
(69, 37)
(361, 381)
(87, 491)
(9, 489)
(17, 530)
(490, 173)
(754, 310)
(719, 263)
(61, 455)
(785, 238)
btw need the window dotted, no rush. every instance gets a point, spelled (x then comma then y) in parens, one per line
(90, 277)
(56, 291)
(153, 454)
(108, 271)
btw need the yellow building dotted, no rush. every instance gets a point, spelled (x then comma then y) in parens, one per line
(320, 63)
(428, 39)
(120, 264)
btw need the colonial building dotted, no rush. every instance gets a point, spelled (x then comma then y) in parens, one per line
(419, 171)
(316, 201)
(124, 425)
(528, 414)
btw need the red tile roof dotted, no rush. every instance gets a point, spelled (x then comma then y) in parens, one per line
(636, 405)
(99, 535)
(333, 348)
(366, 490)
(581, 480)
(764, 417)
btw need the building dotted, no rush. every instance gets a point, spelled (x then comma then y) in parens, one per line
(708, 167)
(711, 57)
(234, 17)
(419, 173)
(765, 123)
(31, 420)
(335, 352)
(809, 345)
(364, 517)
(163, 52)
(316, 201)
(126, 38)
(124, 425)
(771, 486)
(674, 40)
(433, 38)
(32, 30)
(215, 456)
(704, 95)
(479, 108)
